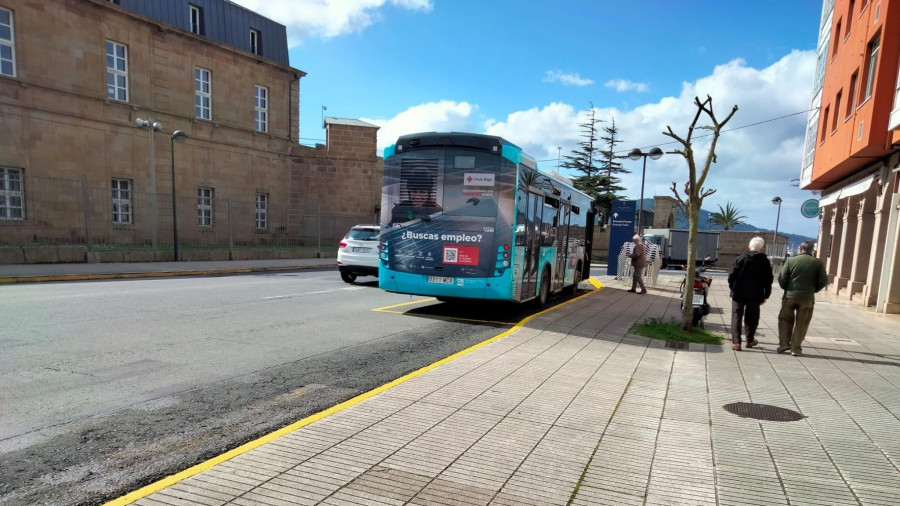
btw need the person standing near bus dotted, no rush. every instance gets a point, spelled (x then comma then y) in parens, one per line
(801, 277)
(638, 263)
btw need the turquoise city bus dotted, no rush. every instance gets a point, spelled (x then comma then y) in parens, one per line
(468, 216)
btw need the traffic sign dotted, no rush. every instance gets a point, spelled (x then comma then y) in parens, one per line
(810, 208)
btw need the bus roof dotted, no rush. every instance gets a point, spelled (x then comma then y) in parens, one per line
(481, 142)
(420, 140)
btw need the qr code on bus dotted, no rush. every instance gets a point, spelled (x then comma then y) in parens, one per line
(450, 255)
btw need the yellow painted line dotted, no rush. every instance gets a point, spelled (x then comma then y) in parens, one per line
(244, 448)
(420, 301)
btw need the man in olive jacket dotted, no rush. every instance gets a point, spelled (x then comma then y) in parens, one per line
(801, 277)
(750, 281)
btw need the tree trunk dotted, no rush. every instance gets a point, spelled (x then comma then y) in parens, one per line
(687, 312)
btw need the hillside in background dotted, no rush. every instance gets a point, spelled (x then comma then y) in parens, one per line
(681, 223)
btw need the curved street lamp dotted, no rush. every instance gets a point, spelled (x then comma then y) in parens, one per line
(777, 202)
(177, 136)
(636, 154)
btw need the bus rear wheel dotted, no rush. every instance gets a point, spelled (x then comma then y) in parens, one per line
(544, 293)
(575, 282)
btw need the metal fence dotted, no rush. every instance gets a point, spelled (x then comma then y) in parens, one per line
(69, 212)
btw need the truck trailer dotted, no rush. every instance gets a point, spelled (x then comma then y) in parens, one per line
(674, 245)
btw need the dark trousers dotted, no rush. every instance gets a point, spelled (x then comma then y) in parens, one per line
(793, 321)
(638, 279)
(747, 313)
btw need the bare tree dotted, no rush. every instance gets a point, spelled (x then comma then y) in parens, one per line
(694, 192)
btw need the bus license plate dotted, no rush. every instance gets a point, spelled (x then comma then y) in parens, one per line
(362, 250)
(440, 279)
(698, 299)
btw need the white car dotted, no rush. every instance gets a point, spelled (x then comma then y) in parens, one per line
(358, 253)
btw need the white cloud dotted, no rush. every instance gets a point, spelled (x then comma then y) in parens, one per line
(626, 85)
(326, 18)
(567, 79)
(443, 116)
(755, 163)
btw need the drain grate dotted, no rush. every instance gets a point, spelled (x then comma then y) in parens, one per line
(678, 345)
(765, 412)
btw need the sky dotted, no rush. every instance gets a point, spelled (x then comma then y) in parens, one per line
(530, 70)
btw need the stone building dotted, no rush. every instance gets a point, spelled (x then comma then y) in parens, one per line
(852, 152)
(103, 103)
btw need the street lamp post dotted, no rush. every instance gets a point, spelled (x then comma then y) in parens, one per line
(636, 154)
(153, 126)
(177, 136)
(776, 201)
(558, 157)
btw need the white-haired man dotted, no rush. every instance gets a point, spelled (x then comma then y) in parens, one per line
(750, 281)
(638, 262)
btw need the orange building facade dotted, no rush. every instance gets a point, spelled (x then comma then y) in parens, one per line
(853, 150)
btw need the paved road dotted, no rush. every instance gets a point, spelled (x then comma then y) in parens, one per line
(110, 384)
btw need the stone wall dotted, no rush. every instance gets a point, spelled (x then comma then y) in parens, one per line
(70, 141)
(733, 243)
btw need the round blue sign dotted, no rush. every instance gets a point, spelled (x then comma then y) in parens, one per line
(810, 208)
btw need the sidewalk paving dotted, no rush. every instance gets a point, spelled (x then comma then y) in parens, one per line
(569, 408)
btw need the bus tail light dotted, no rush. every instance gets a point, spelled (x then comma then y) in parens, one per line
(502, 262)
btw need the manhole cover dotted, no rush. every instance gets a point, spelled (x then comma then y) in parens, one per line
(763, 412)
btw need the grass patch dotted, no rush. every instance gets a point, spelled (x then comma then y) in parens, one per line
(670, 330)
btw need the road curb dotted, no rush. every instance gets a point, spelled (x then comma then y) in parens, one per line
(155, 274)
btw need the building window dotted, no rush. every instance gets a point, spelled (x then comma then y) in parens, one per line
(897, 94)
(850, 15)
(255, 42)
(262, 210)
(261, 109)
(894, 119)
(116, 71)
(12, 200)
(7, 44)
(811, 132)
(202, 95)
(837, 110)
(837, 37)
(872, 52)
(205, 207)
(854, 80)
(824, 124)
(121, 201)
(196, 19)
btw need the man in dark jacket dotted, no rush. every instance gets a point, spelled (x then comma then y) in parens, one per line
(801, 277)
(750, 281)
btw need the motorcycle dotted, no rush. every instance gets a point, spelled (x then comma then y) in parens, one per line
(701, 290)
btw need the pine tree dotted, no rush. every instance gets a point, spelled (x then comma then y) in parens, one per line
(584, 160)
(608, 170)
